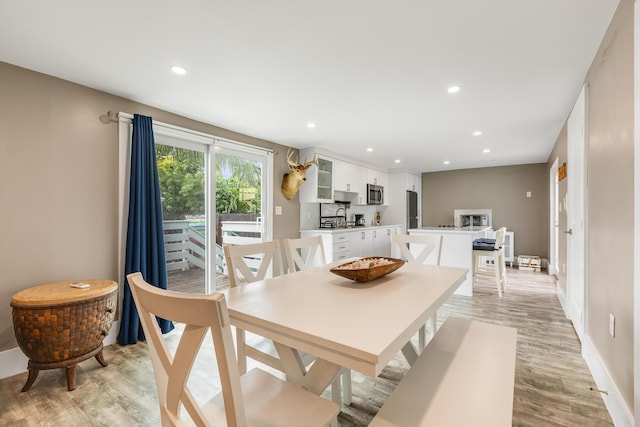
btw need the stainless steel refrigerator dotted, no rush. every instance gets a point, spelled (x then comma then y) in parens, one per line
(412, 209)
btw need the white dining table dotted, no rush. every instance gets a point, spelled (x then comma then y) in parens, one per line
(360, 326)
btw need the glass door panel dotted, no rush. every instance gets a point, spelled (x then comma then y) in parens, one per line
(182, 175)
(239, 202)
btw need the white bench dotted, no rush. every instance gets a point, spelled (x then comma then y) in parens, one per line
(464, 377)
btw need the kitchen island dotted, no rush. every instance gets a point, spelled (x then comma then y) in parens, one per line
(457, 249)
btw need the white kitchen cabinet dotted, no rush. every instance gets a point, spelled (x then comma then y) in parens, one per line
(341, 247)
(337, 245)
(377, 177)
(346, 177)
(362, 242)
(355, 242)
(414, 182)
(318, 188)
(382, 241)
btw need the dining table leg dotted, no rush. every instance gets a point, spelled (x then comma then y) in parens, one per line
(319, 376)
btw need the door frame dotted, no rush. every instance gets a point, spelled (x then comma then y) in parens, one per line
(266, 194)
(577, 288)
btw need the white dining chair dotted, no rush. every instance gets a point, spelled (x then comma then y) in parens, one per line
(250, 263)
(304, 253)
(419, 249)
(255, 398)
(253, 262)
(490, 261)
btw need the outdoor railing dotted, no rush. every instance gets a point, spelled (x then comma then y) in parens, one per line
(185, 243)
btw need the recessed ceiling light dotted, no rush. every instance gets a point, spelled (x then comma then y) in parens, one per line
(311, 125)
(179, 70)
(477, 133)
(396, 161)
(486, 150)
(446, 162)
(454, 89)
(369, 149)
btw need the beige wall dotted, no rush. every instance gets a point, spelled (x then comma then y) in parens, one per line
(609, 201)
(59, 183)
(502, 189)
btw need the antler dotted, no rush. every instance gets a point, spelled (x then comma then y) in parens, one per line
(290, 162)
(312, 162)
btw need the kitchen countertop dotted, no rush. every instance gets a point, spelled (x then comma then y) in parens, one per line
(446, 230)
(341, 230)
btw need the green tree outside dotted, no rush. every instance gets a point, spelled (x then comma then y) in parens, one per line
(182, 183)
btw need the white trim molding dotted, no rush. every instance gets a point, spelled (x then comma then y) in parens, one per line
(636, 215)
(621, 414)
(12, 362)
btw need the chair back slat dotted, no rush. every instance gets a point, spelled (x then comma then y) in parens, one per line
(265, 257)
(304, 253)
(430, 244)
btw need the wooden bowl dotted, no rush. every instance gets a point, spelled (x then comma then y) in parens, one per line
(367, 269)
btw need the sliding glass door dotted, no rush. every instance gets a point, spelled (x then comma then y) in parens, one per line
(229, 206)
(243, 197)
(183, 173)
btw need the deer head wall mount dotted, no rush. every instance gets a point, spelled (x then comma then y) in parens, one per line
(292, 181)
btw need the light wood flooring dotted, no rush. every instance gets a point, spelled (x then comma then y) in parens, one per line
(552, 383)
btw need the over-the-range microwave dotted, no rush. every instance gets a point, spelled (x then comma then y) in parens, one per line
(375, 194)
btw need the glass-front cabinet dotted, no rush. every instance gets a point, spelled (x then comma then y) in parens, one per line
(325, 180)
(318, 188)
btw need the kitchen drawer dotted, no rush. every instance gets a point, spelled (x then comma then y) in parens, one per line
(340, 247)
(340, 238)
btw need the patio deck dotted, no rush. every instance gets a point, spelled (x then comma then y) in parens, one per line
(192, 281)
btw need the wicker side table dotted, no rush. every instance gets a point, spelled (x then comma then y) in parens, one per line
(58, 326)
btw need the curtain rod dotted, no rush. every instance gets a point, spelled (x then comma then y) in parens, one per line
(116, 115)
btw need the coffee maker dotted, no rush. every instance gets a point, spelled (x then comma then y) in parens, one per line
(359, 220)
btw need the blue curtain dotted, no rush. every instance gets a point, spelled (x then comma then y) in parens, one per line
(145, 239)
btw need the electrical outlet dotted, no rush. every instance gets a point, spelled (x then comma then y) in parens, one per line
(528, 193)
(612, 325)
(278, 210)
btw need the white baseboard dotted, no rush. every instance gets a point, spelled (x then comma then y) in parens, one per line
(113, 334)
(563, 299)
(14, 362)
(621, 414)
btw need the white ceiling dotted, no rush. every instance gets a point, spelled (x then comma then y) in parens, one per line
(369, 73)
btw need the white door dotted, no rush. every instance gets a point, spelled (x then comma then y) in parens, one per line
(576, 147)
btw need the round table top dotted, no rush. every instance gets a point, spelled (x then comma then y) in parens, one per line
(63, 292)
